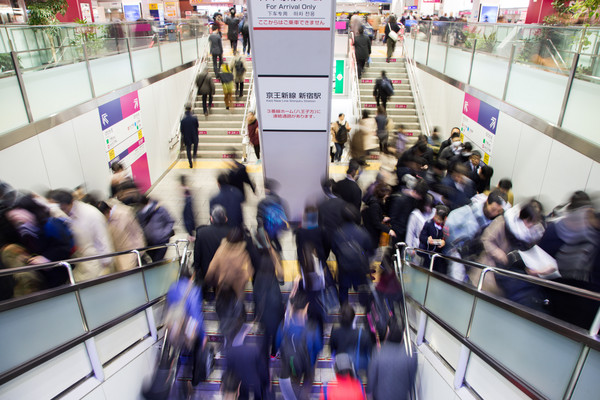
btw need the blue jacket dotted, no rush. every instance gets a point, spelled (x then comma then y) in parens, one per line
(314, 341)
(231, 199)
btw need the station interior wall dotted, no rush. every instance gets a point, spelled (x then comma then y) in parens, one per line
(73, 153)
(539, 166)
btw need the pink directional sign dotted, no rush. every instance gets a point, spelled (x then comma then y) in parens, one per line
(366, 80)
(239, 104)
(227, 155)
(396, 81)
(471, 106)
(233, 132)
(202, 133)
(130, 104)
(370, 105)
(400, 106)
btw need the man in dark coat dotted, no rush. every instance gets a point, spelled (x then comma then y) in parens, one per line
(238, 175)
(206, 88)
(380, 94)
(347, 188)
(208, 240)
(216, 48)
(233, 29)
(402, 204)
(362, 50)
(231, 199)
(189, 133)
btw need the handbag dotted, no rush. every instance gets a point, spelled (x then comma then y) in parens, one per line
(392, 35)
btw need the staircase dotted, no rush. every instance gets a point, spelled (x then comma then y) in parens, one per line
(211, 388)
(221, 132)
(401, 106)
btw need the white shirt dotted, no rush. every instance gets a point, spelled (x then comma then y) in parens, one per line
(416, 221)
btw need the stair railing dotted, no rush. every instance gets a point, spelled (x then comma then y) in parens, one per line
(354, 83)
(411, 67)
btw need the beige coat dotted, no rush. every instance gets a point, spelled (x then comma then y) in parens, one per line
(126, 234)
(230, 268)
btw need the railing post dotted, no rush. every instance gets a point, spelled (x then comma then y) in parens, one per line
(482, 277)
(596, 324)
(472, 59)
(510, 63)
(19, 75)
(151, 323)
(563, 107)
(180, 45)
(130, 59)
(433, 257)
(196, 40)
(461, 368)
(446, 57)
(159, 52)
(429, 43)
(89, 69)
(90, 346)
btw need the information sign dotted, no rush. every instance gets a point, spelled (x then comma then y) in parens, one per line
(479, 123)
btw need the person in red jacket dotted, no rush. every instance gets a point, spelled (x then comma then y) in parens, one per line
(253, 133)
(346, 386)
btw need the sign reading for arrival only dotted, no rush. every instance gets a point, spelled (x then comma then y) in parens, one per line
(291, 15)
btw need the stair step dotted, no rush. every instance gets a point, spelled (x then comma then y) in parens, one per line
(224, 139)
(218, 154)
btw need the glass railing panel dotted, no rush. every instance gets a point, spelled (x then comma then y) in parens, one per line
(488, 383)
(170, 54)
(537, 83)
(588, 384)
(584, 98)
(421, 35)
(146, 62)
(540, 357)
(415, 282)
(443, 343)
(33, 329)
(110, 66)
(458, 61)
(67, 85)
(12, 108)
(159, 279)
(450, 304)
(189, 49)
(109, 300)
(490, 65)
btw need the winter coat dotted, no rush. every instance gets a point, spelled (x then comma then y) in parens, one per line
(231, 199)
(253, 132)
(216, 45)
(208, 240)
(362, 47)
(189, 128)
(238, 76)
(126, 234)
(205, 84)
(372, 220)
(157, 223)
(392, 373)
(230, 268)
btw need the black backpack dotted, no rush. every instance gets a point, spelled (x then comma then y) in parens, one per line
(341, 136)
(350, 255)
(294, 353)
(239, 67)
(386, 87)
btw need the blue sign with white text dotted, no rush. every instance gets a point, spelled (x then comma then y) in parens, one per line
(110, 113)
(488, 117)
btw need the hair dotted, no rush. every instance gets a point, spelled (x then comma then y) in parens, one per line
(117, 167)
(579, 199)
(215, 27)
(218, 215)
(382, 190)
(327, 184)
(188, 107)
(271, 185)
(442, 211)
(460, 169)
(487, 171)
(346, 315)
(381, 110)
(361, 30)
(505, 184)
(353, 167)
(383, 74)
(392, 19)
(421, 147)
(61, 196)
(426, 201)
(496, 197)
(223, 179)
(422, 188)
(468, 146)
(532, 211)
(476, 153)
(299, 301)
(365, 114)
(40, 211)
(340, 114)
(235, 235)
(452, 131)
(103, 207)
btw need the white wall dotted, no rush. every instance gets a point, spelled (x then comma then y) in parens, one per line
(73, 153)
(538, 165)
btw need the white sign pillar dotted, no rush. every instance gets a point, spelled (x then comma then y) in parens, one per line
(292, 45)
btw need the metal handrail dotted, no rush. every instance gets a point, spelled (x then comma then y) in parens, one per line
(244, 120)
(69, 262)
(355, 86)
(486, 268)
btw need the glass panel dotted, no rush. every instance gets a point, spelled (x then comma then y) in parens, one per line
(443, 343)
(170, 54)
(110, 73)
(159, 279)
(488, 383)
(146, 62)
(109, 300)
(458, 63)
(542, 358)
(588, 384)
(33, 329)
(449, 303)
(189, 50)
(118, 338)
(12, 108)
(421, 34)
(415, 283)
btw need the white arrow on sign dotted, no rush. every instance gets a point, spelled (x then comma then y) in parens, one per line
(493, 123)
(466, 106)
(136, 104)
(105, 119)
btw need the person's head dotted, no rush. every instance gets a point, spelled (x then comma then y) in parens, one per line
(459, 174)
(326, 185)
(353, 168)
(383, 74)
(27, 210)
(104, 208)
(188, 108)
(531, 213)
(505, 185)
(467, 150)
(365, 114)
(271, 185)
(421, 189)
(486, 172)
(361, 30)
(116, 167)
(421, 148)
(310, 219)
(235, 235)
(579, 199)
(341, 117)
(392, 19)
(382, 191)
(63, 198)
(346, 315)
(215, 27)
(343, 365)
(455, 132)
(218, 215)
(475, 158)
(222, 180)
(299, 303)
(441, 213)
(232, 11)
(494, 204)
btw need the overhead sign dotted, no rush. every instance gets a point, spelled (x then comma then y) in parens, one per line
(291, 15)
(121, 123)
(479, 124)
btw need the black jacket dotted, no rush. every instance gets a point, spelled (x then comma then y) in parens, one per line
(400, 208)
(362, 47)
(208, 240)
(231, 199)
(372, 220)
(349, 191)
(238, 176)
(189, 128)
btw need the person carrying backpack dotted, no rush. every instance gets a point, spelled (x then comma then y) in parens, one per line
(157, 225)
(340, 131)
(299, 343)
(383, 90)
(239, 74)
(270, 214)
(352, 247)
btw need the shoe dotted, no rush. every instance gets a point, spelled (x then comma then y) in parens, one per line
(191, 166)
(206, 114)
(227, 108)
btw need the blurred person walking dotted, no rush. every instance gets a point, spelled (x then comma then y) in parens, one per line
(226, 77)
(391, 38)
(340, 131)
(231, 198)
(347, 188)
(362, 50)
(216, 49)
(238, 66)
(206, 88)
(233, 30)
(253, 134)
(157, 224)
(383, 90)
(346, 386)
(189, 133)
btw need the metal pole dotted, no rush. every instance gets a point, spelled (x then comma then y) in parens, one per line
(15, 60)
(563, 107)
(429, 43)
(472, 59)
(159, 53)
(433, 257)
(180, 46)
(89, 69)
(130, 59)
(196, 40)
(446, 57)
(596, 324)
(510, 63)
